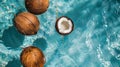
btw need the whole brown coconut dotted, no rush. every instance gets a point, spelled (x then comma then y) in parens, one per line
(32, 57)
(26, 23)
(37, 6)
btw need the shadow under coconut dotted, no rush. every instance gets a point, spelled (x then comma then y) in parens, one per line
(14, 63)
(40, 43)
(12, 38)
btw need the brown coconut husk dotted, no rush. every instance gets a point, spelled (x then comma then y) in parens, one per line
(27, 23)
(37, 6)
(32, 57)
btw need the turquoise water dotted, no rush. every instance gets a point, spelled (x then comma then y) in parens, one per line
(95, 41)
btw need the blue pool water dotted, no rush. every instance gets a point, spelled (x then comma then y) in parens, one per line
(95, 41)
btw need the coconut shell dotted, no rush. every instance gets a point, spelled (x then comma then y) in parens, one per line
(56, 26)
(32, 57)
(37, 6)
(26, 23)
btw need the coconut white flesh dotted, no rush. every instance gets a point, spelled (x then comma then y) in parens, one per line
(62, 28)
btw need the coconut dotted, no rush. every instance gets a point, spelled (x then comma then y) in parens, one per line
(32, 57)
(64, 25)
(27, 23)
(37, 6)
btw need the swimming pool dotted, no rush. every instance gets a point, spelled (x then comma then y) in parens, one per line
(95, 41)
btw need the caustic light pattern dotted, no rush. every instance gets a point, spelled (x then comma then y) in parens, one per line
(94, 42)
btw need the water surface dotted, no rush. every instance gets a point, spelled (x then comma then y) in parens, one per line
(95, 41)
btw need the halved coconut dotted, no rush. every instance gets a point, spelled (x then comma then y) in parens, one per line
(64, 25)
